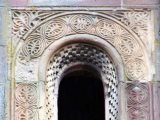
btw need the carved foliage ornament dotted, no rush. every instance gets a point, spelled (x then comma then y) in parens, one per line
(138, 101)
(26, 20)
(137, 21)
(26, 101)
(55, 28)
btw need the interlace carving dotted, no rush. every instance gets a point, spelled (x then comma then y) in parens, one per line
(26, 20)
(55, 29)
(117, 35)
(137, 21)
(138, 101)
(81, 23)
(37, 29)
(83, 54)
(26, 101)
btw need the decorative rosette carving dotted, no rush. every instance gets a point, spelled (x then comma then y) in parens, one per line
(135, 69)
(137, 94)
(122, 38)
(24, 20)
(127, 45)
(138, 101)
(137, 114)
(110, 30)
(81, 23)
(26, 94)
(38, 29)
(25, 114)
(33, 47)
(26, 101)
(54, 29)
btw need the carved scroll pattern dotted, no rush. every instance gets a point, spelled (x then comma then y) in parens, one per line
(25, 20)
(138, 101)
(26, 101)
(137, 21)
(44, 34)
(82, 54)
(54, 29)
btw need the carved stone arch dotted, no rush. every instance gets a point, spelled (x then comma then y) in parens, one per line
(81, 38)
(121, 37)
(31, 46)
(64, 50)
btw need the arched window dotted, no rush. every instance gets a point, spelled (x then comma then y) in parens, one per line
(81, 95)
(63, 85)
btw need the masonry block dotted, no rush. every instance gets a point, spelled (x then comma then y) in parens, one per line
(65, 2)
(156, 99)
(157, 62)
(138, 101)
(18, 2)
(3, 64)
(2, 106)
(141, 2)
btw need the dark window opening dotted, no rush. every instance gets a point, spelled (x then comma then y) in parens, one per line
(81, 96)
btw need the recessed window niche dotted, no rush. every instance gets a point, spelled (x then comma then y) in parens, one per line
(81, 84)
(81, 95)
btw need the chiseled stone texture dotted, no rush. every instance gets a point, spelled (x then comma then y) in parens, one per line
(26, 94)
(141, 2)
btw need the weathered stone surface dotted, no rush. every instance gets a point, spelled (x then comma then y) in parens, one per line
(157, 23)
(2, 98)
(65, 2)
(157, 62)
(139, 94)
(138, 101)
(141, 2)
(1, 39)
(156, 99)
(135, 66)
(4, 25)
(3, 64)
(1, 2)
(2, 42)
(23, 90)
(18, 2)
(40, 29)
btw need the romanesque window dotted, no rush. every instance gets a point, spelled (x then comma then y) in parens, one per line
(53, 49)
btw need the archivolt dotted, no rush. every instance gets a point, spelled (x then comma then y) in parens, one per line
(81, 54)
(58, 26)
